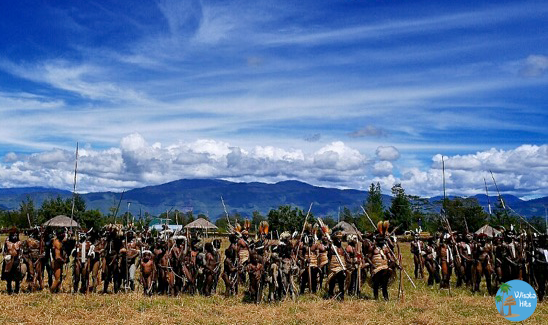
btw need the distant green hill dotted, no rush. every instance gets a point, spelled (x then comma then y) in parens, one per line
(204, 196)
(10, 198)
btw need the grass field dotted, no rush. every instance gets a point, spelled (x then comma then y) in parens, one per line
(420, 306)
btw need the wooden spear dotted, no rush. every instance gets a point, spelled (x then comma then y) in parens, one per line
(74, 190)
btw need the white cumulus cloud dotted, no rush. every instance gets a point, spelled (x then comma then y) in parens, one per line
(137, 163)
(388, 153)
(382, 168)
(522, 171)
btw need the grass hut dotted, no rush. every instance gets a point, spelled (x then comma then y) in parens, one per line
(346, 228)
(488, 230)
(201, 224)
(61, 221)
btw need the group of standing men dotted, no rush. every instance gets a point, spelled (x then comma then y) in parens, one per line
(269, 268)
(506, 256)
(168, 263)
(33, 257)
(293, 263)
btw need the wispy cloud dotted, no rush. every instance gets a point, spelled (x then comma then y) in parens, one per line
(471, 19)
(369, 131)
(313, 137)
(82, 79)
(534, 66)
(12, 102)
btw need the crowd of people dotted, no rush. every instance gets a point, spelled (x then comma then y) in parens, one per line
(267, 267)
(494, 258)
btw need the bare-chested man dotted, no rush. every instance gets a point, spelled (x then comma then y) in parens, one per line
(81, 264)
(148, 272)
(31, 257)
(133, 248)
(210, 268)
(243, 254)
(59, 261)
(12, 259)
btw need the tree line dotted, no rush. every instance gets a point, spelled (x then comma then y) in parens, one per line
(410, 212)
(406, 212)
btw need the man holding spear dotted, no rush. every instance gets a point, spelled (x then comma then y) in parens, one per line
(382, 259)
(337, 265)
(400, 266)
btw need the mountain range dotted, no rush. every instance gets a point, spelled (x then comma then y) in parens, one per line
(204, 196)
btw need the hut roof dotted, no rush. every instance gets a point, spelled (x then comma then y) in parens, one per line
(201, 223)
(488, 230)
(346, 228)
(61, 221)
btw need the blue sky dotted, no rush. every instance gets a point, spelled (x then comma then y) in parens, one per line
(334, 93)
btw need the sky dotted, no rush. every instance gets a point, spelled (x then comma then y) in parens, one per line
(335, 93)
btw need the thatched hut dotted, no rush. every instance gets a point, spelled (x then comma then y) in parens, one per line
(488, 230)
(61, 221)
(346, 228)
(201, 224)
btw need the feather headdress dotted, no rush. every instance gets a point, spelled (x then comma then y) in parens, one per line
(325, 229)
(315, 231)
(385, 226)
(263, 228)
(379, 227)
(238, 228)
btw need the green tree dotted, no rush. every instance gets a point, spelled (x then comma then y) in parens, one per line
(422, 211)
(256, 219)
(347, 216)
(465, 213)
(126, 218)
(501, 217)
(144, 222)
(189, 216)
(287, 219)
(182, 218)
(539, 223)
(400, 210)
(14, 219)
(26, 210)
(237, 218)
(373, 204)
(222, 224)
(330, 222)
(374, 207)
(92, 219)
(53, 207)
(79, 204)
